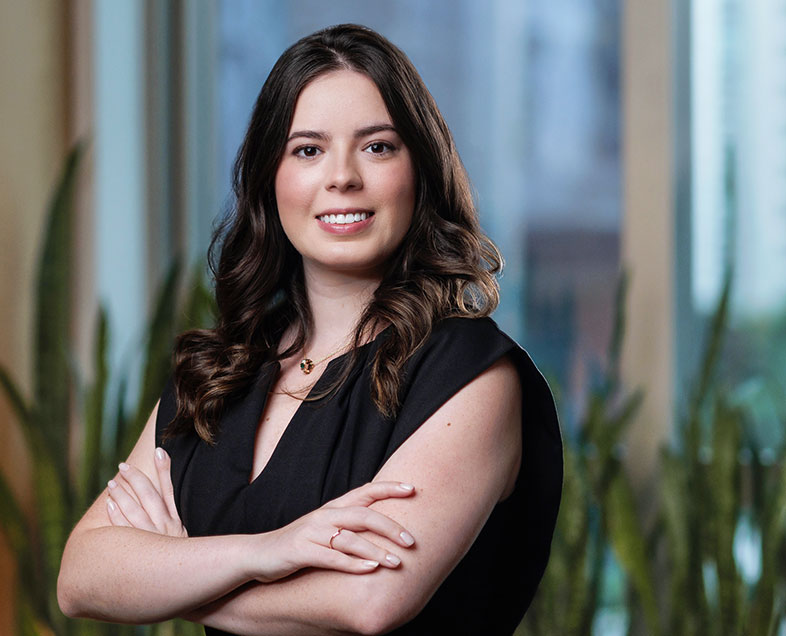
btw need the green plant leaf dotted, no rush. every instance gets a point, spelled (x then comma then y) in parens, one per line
(158, 353)
(18, 533)
(14, 395)
(121, 425)
(630, 546)
(724, 491)
(674, 511)
(709, 361)
(772, 537)
(54, 523)
(91, 474)
(52, 316)
(27, 623)
(200, 305)
(12, 520)
(618, 331)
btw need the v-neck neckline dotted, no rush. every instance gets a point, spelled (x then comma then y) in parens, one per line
(265, 389)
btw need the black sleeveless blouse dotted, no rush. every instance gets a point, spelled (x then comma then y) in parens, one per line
(335, 444)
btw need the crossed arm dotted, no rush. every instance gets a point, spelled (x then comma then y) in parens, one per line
(463, 460)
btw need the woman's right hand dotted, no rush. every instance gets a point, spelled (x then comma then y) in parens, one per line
(326, 538)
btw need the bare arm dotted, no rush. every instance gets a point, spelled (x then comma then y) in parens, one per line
(134, 575)
(465, 458)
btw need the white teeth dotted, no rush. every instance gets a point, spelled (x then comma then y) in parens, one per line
(343, 219)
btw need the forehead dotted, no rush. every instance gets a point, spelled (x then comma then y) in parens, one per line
(337, 99)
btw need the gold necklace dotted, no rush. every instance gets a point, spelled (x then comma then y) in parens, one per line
(307, 364)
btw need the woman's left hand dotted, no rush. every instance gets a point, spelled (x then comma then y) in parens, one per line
(135, 502)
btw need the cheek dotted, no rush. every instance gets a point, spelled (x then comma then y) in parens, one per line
(399, 189)
(406, 196)
(286, 187)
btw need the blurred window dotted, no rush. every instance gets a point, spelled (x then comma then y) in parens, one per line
(738, 195)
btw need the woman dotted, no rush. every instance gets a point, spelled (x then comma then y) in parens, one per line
(353, 356)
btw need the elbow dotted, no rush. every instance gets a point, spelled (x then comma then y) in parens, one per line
(382, 609)
(65, 596)
(368, 625)
(71, 595)
(378, 620)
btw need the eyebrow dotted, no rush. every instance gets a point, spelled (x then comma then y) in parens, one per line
(360, 132)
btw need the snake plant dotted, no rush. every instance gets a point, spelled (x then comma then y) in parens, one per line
(62, 491)
(721, 508)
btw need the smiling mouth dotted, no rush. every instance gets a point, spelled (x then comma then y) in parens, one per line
(345, 218)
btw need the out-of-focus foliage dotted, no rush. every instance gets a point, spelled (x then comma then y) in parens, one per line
(711, 561)
(63, 492)
(597, 512)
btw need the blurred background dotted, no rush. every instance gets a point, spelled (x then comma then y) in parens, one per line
(601, 137)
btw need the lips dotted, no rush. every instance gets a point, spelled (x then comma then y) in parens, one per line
(348, 221)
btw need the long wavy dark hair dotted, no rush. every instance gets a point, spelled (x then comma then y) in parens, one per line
(444, 267)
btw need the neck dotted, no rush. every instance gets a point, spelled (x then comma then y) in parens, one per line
(337, 302)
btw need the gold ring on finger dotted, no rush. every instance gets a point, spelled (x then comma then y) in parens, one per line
(334, 535)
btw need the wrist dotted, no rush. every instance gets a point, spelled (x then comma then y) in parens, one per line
(248, 553)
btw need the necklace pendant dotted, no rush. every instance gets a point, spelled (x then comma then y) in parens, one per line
(306, 365)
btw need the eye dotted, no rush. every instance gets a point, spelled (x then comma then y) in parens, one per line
(379, 148)
(306, 152)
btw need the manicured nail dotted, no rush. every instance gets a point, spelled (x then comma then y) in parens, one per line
(407, 538)
(160, 454)
(406, 487)
(370, 564)
(111, 505)
(111, 483)
(393, 560)
(123, 466)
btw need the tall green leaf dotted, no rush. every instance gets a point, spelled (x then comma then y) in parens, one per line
(772, 538)
(627, 539)
(158, 353)
(91, 473)
(14, 396)
(724, 491)
(52, 315)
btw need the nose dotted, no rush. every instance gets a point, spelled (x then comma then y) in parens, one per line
(343, 173)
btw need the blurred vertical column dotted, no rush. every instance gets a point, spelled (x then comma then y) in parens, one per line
(182, 155)
(33, 140)
(120, 180)
(648, 225)
(80, 105)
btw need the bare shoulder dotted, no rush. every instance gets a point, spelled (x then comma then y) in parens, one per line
(494, 396)
(477, 429)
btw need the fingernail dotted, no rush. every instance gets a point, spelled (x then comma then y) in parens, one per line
(110, 504)
(393, 559)
(123, 466)
(160, 454)
(407, 538)
(371, 564)
(112, 483)
(406, 487)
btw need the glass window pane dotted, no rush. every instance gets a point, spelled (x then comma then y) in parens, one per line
(738, 206)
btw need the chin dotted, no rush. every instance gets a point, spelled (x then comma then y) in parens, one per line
(350, 267)
(349, 261)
